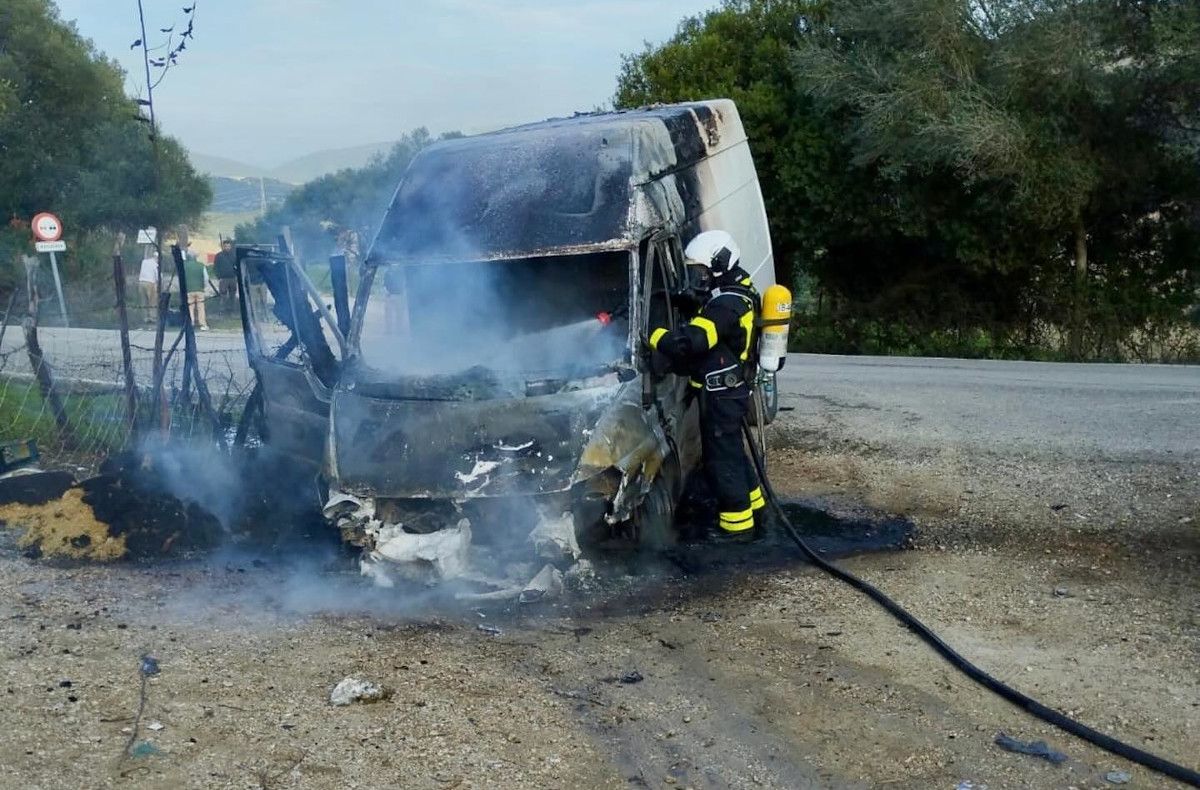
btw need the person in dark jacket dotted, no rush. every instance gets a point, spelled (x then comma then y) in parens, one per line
(225, 270)
(714, 349)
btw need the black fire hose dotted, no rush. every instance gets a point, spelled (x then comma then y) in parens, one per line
(1026, 703)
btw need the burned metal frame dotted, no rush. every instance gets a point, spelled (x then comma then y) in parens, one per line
(613, 449)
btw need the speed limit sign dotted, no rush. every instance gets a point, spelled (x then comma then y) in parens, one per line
(47, 227)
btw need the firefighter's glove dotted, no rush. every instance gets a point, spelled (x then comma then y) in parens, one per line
(675, 346)
(659, 364)
(688, 301)
(654, 361)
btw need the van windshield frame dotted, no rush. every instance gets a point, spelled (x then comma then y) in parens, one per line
(451, 293)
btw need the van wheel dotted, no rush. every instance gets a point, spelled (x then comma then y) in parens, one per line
(654, 518)
(770, 400)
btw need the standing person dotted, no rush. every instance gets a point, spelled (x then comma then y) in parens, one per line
(148, 284)
(197, 282)
(224, 267)
(713, 349)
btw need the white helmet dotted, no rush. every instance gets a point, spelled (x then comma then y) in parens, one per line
(714, 249)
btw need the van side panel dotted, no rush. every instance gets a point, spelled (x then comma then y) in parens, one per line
(722, 192)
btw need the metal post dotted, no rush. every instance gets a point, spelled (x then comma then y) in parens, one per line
(62, 304)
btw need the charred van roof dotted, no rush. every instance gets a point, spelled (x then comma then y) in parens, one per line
(564, 183)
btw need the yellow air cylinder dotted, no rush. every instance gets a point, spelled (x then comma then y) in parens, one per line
(775, 322)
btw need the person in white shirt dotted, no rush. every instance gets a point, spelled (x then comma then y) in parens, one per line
(148, 284)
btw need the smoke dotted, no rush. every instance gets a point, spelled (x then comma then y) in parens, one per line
(197, 474)
(459, 283)
(464, 278)
(528, 316)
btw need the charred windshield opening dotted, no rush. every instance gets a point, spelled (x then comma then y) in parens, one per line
(500, 195)
(503, 320)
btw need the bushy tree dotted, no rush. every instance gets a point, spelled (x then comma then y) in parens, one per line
(1055, 125)
(942, 168)
(742, 51)
(71, 141)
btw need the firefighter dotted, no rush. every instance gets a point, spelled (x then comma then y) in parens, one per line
(714, 349)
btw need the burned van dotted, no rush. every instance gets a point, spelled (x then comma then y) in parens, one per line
(486, 383)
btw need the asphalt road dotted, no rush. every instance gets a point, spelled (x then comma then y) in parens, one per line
(94, 355)
(1097, 411)
(1125, 412)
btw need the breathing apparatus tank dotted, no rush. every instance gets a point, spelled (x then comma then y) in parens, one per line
(775, 321)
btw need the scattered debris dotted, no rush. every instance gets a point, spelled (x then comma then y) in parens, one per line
(490, 630)
(1032, 748)
(145, 749)
(351, 690)
(546, 585)
(1062, 592)
(629, 678)
(554, 539)
(580, 575)
(149, 665)
(1118, 777)
(578, 696)
(968, 784)
(15, 457)
(435, 555)
(156, 726)
(33, 486)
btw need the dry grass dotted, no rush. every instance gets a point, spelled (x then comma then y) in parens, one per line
(64, 528)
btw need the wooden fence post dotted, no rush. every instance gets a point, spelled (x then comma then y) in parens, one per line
(189, 343)
(131, 399)
(37, 360)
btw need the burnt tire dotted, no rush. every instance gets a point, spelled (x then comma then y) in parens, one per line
(654, 518)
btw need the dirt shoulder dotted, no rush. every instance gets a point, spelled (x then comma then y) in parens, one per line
(703, 668)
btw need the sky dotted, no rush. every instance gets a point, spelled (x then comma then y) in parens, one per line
(266, 81)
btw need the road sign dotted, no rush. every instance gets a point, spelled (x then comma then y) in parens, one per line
(50, 246)
(47, 227)
(147, 235)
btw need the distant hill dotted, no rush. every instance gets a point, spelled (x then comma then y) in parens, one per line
(296, 171)
(239, 195)
(224, 168)
(315, 165)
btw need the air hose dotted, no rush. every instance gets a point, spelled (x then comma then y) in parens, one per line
(1026, 703)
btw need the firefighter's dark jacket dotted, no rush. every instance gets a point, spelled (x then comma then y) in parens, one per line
(718, 337)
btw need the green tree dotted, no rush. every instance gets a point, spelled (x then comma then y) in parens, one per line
(742, 51)
(71, 141)
(1060, 125)
(972, 170)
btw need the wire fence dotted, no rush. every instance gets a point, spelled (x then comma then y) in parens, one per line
(64, 378)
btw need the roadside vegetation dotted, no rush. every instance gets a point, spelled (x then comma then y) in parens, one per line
(984, 178)
(977, 178)
(73, 143)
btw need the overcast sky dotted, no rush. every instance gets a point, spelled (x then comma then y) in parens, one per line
(269, 80)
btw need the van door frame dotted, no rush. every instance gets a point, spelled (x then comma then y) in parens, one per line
(294, 399)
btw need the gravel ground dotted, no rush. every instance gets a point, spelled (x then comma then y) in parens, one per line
(1066, 570)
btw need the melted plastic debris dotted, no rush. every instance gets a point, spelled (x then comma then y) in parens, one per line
(480, 469)
(554, 539)
(436, 555)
